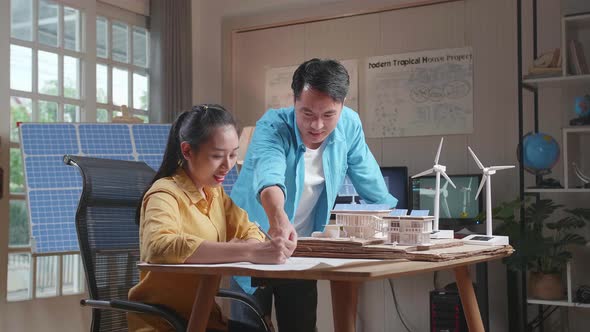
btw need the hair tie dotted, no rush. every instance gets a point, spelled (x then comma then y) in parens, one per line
(200, 108)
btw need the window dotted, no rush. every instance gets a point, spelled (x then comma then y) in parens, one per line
(48, 62)
(121, 69)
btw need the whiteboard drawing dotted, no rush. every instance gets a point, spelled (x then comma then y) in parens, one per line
(278, 91)
(421, 93)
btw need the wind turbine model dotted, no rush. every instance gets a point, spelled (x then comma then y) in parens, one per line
(488, 239)
(438, 170)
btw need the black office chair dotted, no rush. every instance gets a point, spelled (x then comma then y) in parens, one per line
(109, 243)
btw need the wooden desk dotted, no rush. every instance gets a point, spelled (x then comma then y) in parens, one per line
(344, 283)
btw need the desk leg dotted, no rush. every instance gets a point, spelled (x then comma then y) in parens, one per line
(344, 302)
(468, 300)
(203, 302)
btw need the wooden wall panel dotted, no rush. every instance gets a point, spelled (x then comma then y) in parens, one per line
(254, 52)
(345, 38)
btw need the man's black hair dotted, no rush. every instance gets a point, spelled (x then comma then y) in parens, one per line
(326, 76)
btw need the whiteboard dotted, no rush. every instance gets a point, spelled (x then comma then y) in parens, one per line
(278, 91)
(419, 93)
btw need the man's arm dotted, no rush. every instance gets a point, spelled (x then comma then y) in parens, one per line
(267, 150)
(273, 201)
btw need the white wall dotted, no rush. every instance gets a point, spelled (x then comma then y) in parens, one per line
(492, 27)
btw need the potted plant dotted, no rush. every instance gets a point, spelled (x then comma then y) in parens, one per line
(543, 250)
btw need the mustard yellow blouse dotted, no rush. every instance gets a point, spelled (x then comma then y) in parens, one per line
(175, 219)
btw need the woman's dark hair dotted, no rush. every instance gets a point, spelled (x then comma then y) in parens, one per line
(195, 127)
(327, 76)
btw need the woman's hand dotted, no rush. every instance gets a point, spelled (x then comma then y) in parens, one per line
(250, 250)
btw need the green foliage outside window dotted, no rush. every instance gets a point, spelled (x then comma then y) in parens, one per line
(19, 224)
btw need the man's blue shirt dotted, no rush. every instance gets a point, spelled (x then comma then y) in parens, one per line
(276, 157)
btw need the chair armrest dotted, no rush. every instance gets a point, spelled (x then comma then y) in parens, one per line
(247, 300)
(175, 320)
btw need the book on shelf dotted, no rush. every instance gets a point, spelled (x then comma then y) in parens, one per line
(577, 58)
(541, 72)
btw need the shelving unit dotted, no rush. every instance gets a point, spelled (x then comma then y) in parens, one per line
(573, 140)
(557, 81)
(556, 190)
(559, 303)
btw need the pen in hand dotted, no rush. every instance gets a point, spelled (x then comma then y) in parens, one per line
(263, 231)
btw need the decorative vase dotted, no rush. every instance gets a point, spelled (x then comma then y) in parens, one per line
(544, 286)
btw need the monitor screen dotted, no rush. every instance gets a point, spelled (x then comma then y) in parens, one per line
(396, 180)
(458, 206)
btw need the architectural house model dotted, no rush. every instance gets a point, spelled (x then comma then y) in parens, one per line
(368, 221)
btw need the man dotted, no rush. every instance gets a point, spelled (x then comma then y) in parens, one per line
(295, 164)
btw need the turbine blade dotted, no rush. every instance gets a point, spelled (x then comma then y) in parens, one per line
(438, 152)
(448, 179)
(423, 173)
(479, 164)
(499, 168)
(483, 180)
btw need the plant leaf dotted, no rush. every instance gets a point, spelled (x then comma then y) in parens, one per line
(583, 213)
(540, 210)
(551, 225)
(571, 239)
(569, 222)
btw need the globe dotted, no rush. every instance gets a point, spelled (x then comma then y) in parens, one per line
(582, 107)
(540, 152)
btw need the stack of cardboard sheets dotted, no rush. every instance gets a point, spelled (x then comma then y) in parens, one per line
(438, 250)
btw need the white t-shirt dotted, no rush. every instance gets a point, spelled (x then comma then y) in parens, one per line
(313, 185)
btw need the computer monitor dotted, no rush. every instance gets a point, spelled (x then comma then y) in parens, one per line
(458, 206)
(396, 180)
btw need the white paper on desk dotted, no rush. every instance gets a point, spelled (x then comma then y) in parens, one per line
(292, 264)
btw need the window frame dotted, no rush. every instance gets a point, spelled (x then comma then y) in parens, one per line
(132, 20)
(87, 104)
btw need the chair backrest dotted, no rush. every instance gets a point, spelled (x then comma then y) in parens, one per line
(107, 232)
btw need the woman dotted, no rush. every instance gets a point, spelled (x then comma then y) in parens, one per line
(186, 217)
